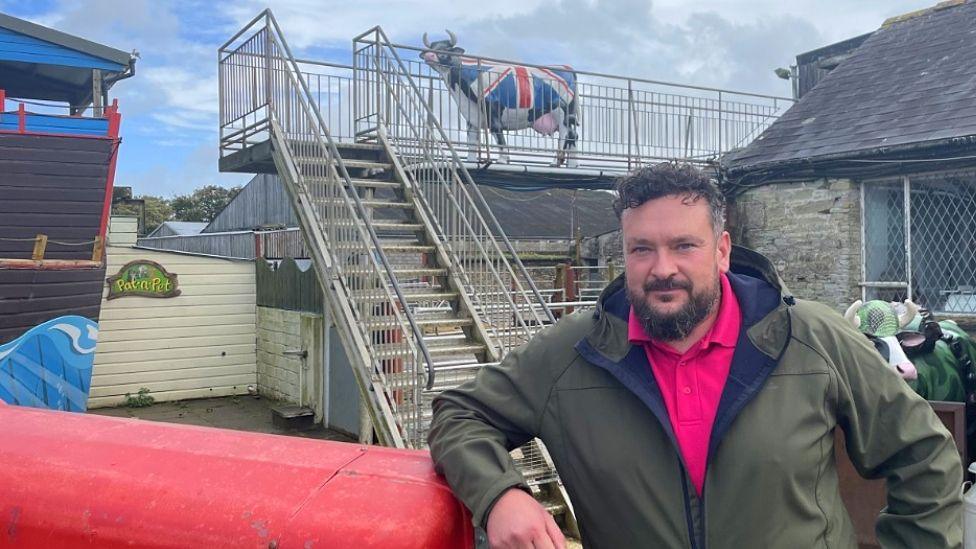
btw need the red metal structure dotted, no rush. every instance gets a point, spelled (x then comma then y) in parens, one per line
(74, 480)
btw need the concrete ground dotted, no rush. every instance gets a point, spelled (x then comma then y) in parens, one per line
(242, 413)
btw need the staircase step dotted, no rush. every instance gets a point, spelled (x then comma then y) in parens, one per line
(391, 322)
(357, 164)
(402, 227)
(367, 203)
(395, 351)
(412, 297)
(401, 271)
(392, 247)
(358, 182)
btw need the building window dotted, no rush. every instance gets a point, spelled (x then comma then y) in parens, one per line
(922, 248)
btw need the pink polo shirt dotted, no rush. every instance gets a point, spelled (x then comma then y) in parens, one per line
(692, 383)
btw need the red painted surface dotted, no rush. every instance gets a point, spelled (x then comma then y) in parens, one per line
(524, 87)
(114, 123)
(76, 480)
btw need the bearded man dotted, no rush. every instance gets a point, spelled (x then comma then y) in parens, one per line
(695, 407)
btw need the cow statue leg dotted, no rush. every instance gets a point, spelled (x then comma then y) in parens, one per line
(567, 138)
(473, 138)
(503, 157)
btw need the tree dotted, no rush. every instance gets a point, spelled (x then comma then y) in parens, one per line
(204, 204)
(157, 208)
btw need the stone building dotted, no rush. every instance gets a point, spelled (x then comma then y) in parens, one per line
(866, 188)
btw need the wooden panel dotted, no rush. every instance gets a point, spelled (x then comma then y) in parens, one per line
(15, 46)
(54, 186)
(198, 372)
(177, 364)
(180, 312)
(200, 343)
(288, 287)
(164, 355)
(29, 297)
(124, 325)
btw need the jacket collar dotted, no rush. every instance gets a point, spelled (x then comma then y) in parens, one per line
(764, 303)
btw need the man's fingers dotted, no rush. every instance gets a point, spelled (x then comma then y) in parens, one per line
(542, 541)
(555, 534)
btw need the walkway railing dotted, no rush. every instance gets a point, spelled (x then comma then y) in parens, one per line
(478, 248)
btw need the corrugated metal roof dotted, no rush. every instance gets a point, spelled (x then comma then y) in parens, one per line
(178, 228)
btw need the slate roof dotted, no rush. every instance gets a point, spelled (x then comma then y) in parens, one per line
(179, 228)
(910, 86)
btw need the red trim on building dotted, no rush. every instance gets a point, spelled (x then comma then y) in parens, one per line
(114, 123)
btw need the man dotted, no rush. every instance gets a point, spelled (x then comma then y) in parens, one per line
(696, 406)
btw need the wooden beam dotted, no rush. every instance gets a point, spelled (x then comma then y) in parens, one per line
(97, 103)
(98, 249)
(40, 245)
(49, 264)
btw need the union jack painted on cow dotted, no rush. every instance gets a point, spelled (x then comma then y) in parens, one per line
(520, 87)
(501, 97)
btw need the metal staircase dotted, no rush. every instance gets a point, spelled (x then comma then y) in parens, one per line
(423, 285)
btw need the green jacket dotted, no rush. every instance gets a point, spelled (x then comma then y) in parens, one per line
(799, 370)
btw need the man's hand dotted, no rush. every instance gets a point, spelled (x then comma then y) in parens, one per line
(517, 521)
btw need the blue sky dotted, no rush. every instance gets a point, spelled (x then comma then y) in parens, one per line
(170, 107)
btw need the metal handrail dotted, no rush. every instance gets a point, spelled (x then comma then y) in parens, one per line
(353, 204)
(362, 35)
(360, 208)
(480, 204)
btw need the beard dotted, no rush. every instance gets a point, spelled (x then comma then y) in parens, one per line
(676, 325)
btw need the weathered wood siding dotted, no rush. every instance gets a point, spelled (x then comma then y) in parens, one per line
(288, 287)
(54, 186)
(261, 202)
(31, 297)
(199, 344)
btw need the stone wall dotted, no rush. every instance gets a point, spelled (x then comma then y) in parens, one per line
(811, 231)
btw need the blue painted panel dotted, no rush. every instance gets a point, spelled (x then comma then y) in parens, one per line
(19, 47)
(50, 366)
(44, 123)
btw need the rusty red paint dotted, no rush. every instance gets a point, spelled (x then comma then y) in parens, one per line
(74, 479)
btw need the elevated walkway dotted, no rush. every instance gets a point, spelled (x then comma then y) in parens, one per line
(424, 285)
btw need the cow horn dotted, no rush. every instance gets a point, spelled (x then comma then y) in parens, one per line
(426, 41)
(851, 314)
(453, 38)
(911, 309)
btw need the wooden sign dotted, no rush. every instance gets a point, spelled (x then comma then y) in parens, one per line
(143, 278)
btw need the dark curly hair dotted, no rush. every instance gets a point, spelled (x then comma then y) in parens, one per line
(670, 179)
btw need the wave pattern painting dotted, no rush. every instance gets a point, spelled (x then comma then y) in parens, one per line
(50, 366)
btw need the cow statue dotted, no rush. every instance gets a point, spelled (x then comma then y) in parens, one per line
(514, 97)
(935, 358)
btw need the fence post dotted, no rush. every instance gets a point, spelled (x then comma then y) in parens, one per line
(559, 284)
(40, 244)
(569, 287)
(98, 249)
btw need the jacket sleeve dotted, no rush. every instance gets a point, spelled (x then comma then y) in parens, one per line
(475, 426)
(893, 433)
